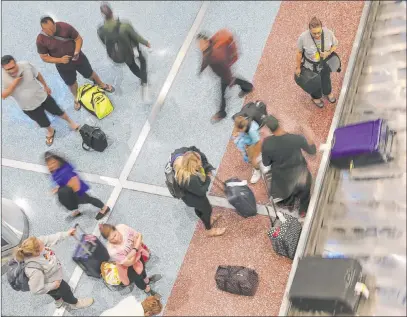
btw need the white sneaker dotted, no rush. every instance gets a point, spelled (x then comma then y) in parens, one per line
(59, 303)
(83, 303)
(256, 176)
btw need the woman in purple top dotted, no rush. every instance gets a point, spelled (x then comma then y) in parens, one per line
(70, 188)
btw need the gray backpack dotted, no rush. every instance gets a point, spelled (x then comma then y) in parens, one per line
(16, 276)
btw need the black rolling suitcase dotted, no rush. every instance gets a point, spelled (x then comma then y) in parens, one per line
(328, 285)
(240, 196)
(90, 253)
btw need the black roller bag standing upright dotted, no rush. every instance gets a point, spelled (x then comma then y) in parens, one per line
(322, 284)
(240, 196)
(90, 253)
(284, 233)
(238, 280)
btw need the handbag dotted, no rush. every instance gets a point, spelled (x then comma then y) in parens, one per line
(284, 233)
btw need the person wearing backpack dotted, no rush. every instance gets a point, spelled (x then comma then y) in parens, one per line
(120, 38)
(247, 140)
(220, 53)
(71, 190)
(43, 270)
(193, 175)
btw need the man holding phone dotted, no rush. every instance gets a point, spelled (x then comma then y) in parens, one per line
(22, 81)
(59, 43)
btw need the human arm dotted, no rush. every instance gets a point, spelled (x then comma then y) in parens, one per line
(74, 183)
(307, 143)
(298, 56)
(10, 89)
(36, 282)
(53, 239)
(135, 37)
(196, 186)
(43, 83)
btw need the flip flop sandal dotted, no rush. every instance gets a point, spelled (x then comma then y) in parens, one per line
(77, 106)
(318, 104)
(331, 100)
(108, 88)
(49, 140)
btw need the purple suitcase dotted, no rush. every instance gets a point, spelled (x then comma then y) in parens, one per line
(362, 144)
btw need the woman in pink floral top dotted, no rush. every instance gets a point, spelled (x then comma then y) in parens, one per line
(126, 248)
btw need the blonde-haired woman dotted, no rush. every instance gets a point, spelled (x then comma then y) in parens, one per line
(247, 139)
(45, 277)
(194, 180)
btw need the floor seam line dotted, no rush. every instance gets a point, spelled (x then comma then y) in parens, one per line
(77, 273)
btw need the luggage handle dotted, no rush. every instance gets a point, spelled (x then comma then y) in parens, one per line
(84, 247)
(275, 212)
(88, 148)
(393, 133)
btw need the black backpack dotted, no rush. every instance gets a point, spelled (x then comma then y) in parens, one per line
(93, 138)
(172, 185)
(256, 111)
(116, 48)
(16, 276)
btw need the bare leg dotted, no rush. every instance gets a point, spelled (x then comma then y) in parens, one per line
(74, 91)
(50, 131)
(72, 124)
(95, 77)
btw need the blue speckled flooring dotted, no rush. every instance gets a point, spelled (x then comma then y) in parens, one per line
(184, 120)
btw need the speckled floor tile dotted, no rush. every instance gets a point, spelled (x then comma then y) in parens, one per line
(245, 243)
(167, 226)
(45, 216)
(274, 83)
(123, 125)
(185, 117)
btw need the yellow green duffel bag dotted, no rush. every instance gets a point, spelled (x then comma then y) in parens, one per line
(94, 99)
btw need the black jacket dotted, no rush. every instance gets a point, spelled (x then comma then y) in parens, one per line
(195, 191)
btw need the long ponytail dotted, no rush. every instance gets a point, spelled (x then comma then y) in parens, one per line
(28, 248)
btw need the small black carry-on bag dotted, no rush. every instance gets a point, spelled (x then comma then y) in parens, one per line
(90, 253)
(238, 280)
(284, 233)
(334, 286)
(240, 196)
(93, 138)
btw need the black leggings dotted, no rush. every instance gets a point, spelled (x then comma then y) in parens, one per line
(137, 279)
(63, 291)
(325, 82)
(75, 200)
(204, 212)
(245, 86)
(140, 72)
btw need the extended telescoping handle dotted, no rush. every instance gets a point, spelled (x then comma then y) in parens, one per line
(216, 181)
(84, 247)
(274, 209)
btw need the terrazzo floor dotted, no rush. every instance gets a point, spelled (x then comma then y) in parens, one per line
(274, 79)
(183, 255)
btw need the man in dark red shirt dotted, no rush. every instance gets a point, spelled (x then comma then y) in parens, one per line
(218, 60)
(60, 44)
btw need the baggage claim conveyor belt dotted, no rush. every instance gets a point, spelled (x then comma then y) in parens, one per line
(349, 214)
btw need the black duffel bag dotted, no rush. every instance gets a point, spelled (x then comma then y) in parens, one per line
(308, 80)
(237, 280)
(93, 138)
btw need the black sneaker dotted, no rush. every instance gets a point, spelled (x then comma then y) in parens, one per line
(218, 117)
(155, 278)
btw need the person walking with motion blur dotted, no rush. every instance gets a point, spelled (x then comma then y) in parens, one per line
(314, 47)
(120, 39)
(247, 139)
(21, 80)
(220, 53)
(59, 43)
(71, 190)
(44, 271)
(291, 178)
(193, 175)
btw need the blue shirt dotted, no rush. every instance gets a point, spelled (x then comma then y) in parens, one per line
(247, 139)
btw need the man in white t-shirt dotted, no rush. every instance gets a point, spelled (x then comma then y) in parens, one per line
(22, 81)
(129, 306)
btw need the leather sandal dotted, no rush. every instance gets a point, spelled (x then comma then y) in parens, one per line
(319, 104)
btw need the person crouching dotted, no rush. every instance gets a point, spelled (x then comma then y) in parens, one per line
(247, 139)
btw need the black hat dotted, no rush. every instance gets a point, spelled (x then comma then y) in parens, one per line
(271, 122)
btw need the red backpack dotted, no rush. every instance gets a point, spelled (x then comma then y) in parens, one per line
(225, 38)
